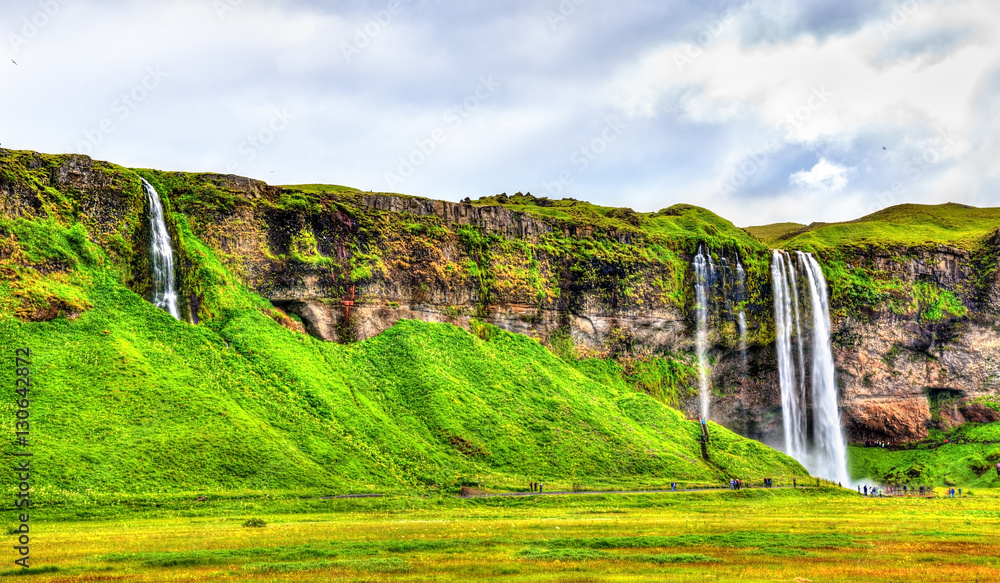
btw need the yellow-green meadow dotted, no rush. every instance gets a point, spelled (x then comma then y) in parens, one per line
(753, 535)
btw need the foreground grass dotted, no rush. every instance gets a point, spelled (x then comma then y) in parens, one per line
(762, 535)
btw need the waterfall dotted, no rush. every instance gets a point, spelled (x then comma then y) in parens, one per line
(164, 289)
(704, 273)
(785, 321)
(741, 318)
(830, 453)
(824, 452)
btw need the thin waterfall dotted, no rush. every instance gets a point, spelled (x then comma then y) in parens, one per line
(704, 272)
(164, 288)
(823, 452)
(741, 318)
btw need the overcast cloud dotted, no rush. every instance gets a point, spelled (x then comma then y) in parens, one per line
(762, 111)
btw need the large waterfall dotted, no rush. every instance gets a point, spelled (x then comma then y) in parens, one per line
(818, 445)
(704, 273)
(164, 289)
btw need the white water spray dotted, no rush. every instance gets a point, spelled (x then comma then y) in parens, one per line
(704, 272)
(164, 289)
(825, 454)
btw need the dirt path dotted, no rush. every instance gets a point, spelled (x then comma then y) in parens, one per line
(599, 492)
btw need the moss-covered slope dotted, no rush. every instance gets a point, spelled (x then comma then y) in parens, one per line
(125, 399)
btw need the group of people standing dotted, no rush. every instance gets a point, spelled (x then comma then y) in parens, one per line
(875, 443)
(736, 484)
(536, 486)
(768, 483)
(900, 490)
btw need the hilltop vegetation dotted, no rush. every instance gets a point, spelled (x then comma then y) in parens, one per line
(905, 225)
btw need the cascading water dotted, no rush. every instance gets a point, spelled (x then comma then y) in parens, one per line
(825, 454)
(164, 289)
(786, 321)
(704, 272)
(741, 318)
(830, 453)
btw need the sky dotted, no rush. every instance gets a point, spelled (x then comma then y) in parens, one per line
(762, 111)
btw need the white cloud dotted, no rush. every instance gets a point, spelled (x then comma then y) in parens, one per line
(825, 175)
(770, 88)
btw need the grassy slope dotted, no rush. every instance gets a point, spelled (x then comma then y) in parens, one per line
(128, 400)
(969, 458)
(906, 225)
(771, 233)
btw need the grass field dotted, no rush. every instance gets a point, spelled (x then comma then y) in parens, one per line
(753, 535)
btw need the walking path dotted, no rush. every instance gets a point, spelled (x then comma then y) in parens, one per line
(622, 492)
(598, 492)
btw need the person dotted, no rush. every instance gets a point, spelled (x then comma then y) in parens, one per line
(998, 469)
(904, 489)
(673, 486)
(866, 489)
(859, 489)
(795, 484)
(540, 485)
(959, 492)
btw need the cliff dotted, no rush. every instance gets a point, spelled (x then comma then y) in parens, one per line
(914, 296)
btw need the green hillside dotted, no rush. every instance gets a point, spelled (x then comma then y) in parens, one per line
(966, 456)
(768, 234)
(127, 400)
(905, 225)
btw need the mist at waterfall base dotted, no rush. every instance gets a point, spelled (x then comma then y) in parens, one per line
(161, 254)
(806, 368)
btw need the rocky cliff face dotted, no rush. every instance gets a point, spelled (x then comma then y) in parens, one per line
(904, 373)
(350, 264)
(352, 273)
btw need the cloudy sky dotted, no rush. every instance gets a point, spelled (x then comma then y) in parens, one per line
(763, 111)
